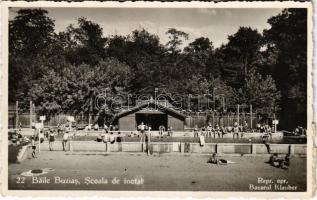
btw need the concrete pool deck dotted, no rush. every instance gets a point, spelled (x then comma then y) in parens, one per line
(161, 172)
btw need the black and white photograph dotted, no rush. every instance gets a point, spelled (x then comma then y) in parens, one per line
(119, 98)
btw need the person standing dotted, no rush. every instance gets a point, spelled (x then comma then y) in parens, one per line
(203, 131)
(222, 131)
(161, 130)
(217, 131)
(41, 136)
(105, 128)
(236, 130)
(65, 140)
(262, 128)
(20, 126)
(33, 147)
(119, 140)
(106, 140)
(51, 139)
(148, 140)
(142, 129)
(269, 131)
(170, 131)
(258, 127)
(195, 131)
(245, 126)
(209, 130)
(96, 127)
(112, 138)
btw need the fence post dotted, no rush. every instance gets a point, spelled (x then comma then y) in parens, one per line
(16, 114)
(251, 119)
(256, 117)
(238, 115)
(253, 149)
(31, 113)
(213, 118)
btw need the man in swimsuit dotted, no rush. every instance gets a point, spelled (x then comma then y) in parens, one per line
(215, 160)
(51, 139)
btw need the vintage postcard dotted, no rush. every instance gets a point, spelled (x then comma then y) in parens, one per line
(173, 99)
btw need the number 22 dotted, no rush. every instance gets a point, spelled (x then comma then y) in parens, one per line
(20, 179)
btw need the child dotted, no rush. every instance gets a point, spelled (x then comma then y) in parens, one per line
(275, 160)
(214, 160)
(65, 140)
(170, 131)
(33, 147)
(99, 138)
(106, 140)
(112, 138)
(41, 136)
(51, 139)
(209, 131)
(161, 130)
(284, 164)
(195, 131)
(148, 141)
(119, 138)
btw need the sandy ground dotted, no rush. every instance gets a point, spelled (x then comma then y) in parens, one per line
(158, 172)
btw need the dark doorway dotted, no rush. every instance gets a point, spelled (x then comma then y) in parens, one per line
(155, 120)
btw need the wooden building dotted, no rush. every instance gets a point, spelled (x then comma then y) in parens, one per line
(150, 113)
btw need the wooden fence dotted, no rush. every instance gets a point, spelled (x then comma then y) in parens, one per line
(221, 120)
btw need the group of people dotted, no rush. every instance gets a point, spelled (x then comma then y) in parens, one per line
(299, 131)
(213, 131)
(162, 131)
(280, 162)
(109, 138)
(16, 137)
(209, 131)
(96, 127)
(275, 161)
(40, 136)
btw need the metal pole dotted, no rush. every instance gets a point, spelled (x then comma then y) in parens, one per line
(214, 98)
(89, 114)
(251, 119)
(223, 103)
(16, 114)
(31, 113)
(42, 121)
(256, 117)
(213, 118)
(155, 98)
(275, 125)
(238, 115)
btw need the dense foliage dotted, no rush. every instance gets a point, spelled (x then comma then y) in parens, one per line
(66, 71)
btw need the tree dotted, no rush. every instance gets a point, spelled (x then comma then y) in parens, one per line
(84, 44)
(31, 44)
(176, 38)
(241, 55)
(76, 89)
(145, 56)
(262, 94)
(200, 56)
(30, 32)
(286, 56)
(117, 47)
